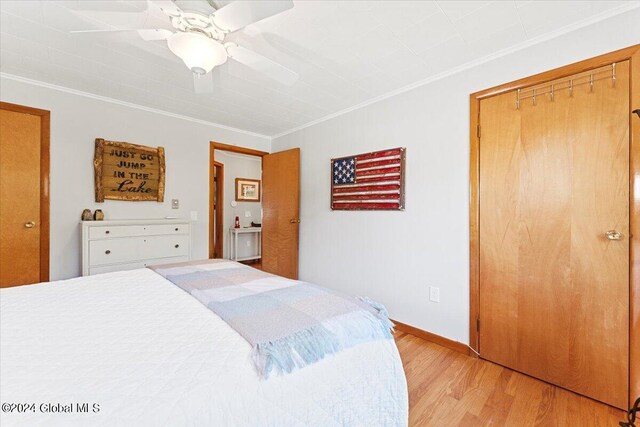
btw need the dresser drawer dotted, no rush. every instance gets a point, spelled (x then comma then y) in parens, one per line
(128, 249)
(137, 264)
(108, 232)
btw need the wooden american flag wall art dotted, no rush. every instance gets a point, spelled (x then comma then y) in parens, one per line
(371, 181)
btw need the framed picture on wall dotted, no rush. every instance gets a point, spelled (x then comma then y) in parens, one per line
(247, 190)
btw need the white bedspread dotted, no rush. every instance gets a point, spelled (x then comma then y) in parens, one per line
(149, 354)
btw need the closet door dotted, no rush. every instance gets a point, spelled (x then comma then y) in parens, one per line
(24, 208)
(554, 232)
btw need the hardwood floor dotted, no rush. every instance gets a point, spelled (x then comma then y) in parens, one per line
(448, 388)
(255, 264)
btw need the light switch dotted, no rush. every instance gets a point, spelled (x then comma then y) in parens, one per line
(175, 203)
(194, 215)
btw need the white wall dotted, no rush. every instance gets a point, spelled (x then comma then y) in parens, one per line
(394, 257)
(75, 123)
(239, 166)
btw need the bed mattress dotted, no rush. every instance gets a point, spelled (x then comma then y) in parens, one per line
(130, 348)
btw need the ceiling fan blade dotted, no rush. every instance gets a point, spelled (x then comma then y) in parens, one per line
(115, 19)
(240, 13)
(151, 16)
(262, 64)
(145, 34)
(106, 6)
(167, 6)
(203, 84)
(151, 35)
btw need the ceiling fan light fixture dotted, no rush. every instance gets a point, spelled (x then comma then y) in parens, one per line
(198, 52)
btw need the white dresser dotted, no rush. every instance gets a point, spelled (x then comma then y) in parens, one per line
(128, 244)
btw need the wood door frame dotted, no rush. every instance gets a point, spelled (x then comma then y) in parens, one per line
(234, 149)
(219, 210)
(45, 159)
(632, 54)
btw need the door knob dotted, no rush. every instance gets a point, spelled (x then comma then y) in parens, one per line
(614, 235)
(30, 224)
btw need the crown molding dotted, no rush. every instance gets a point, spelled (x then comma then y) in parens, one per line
(127, 104)
(476, 62)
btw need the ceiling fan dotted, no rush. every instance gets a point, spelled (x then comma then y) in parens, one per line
(199, 38)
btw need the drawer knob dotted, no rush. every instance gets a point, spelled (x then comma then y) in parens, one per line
(107, 252)
(176, 246)
(176, 229)
(106, 232)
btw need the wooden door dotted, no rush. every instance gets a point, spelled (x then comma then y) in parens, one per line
(218, 209)
(281, 212)
(24, 214)
(554, 289)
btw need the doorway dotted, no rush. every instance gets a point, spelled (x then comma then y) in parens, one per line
(279, 227)
(24, 195)
(554, 219)
(218, 209)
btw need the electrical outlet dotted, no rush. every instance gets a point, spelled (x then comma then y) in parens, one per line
(194, 215)
(248, 243)
(175, 203)
(434, 294)
(247, 214)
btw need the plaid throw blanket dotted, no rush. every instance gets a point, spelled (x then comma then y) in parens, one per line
(290, 324)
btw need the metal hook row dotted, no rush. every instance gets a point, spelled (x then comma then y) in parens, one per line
(553, 87)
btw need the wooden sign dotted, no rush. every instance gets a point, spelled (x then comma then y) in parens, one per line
(126, 171)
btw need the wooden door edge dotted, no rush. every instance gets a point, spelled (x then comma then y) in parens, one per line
(631, 54)
(218, 246)
(634, 231)
(45, 170)
(297, 275)
(212, 173)
(213, 145)
(474, 226)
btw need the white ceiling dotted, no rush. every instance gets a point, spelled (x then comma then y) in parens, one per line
(346, 52)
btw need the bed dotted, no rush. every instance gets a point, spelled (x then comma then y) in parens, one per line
(131, 348)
